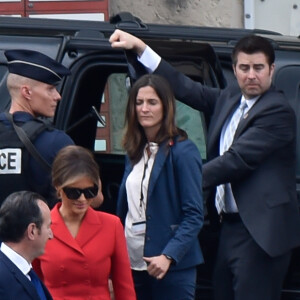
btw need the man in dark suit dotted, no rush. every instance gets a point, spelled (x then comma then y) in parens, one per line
(251, 166)
(24, 229)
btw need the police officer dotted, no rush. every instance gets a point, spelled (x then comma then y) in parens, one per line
(31, 82)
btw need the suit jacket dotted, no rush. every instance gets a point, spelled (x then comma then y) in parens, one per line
(260, 165)
(14, 284)
(174, 212)
(79, 268)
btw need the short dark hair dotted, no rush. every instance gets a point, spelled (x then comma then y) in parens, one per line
(18, 210)
(251, 44)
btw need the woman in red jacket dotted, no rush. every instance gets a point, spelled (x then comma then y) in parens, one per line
(88, 246)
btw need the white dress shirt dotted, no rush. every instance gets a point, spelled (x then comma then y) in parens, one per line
(150, 59)
(21, 263)
(230, 203)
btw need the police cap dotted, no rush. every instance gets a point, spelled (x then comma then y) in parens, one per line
(35, 65)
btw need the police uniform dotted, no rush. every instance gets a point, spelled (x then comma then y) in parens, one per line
(18, 169)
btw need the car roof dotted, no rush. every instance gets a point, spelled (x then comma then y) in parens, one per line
(130, 23)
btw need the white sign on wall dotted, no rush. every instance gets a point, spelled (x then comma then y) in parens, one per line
(282, 16)
(70, 16)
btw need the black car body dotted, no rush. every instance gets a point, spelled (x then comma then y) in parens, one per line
(94, 96)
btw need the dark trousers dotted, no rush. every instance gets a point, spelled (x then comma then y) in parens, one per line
(243, 270)
(176, 285)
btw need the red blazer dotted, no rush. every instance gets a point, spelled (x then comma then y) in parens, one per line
(79, 268)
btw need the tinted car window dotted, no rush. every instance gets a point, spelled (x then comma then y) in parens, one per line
(113, 108)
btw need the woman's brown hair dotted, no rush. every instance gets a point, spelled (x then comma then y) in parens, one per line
(134, 139)
(71, 163)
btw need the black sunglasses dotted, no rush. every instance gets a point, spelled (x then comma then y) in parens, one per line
(74, 193)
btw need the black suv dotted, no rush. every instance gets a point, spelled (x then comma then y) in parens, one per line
(94, 96)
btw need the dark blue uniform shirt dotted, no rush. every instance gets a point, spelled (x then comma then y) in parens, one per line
(48, 143)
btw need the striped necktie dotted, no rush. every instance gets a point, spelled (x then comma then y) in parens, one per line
(228, 139)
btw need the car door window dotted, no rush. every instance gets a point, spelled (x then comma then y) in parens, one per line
(113, 108)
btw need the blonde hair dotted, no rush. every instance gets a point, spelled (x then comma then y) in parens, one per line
(15, 81)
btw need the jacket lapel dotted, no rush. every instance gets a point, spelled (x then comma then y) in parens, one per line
(159, 162)
(91, 226)
(218, 121)
(20, 277)
(27, 285)
(254, 110)
(61, 231)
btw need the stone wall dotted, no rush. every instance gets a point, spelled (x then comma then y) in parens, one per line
(216, 13)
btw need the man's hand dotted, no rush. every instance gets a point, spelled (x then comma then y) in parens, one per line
(98, 200)
(124, 40)
(158, 266)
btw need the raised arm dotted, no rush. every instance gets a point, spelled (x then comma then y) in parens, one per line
(126, 41)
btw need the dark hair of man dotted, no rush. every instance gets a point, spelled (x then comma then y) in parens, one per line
(252, 44)
(135, 139)
(19, 210)
(72, 162)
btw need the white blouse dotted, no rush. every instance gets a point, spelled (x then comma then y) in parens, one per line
(135, 224)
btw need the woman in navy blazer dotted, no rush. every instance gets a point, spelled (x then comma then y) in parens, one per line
(160, 198)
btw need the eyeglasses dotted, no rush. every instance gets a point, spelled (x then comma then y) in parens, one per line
(75, 193)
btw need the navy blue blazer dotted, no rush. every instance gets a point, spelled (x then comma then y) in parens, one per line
(14, 284)
(174, 212)
(260, 164)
